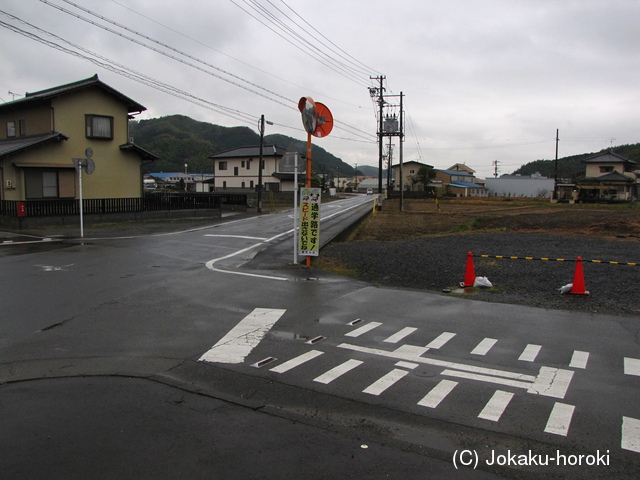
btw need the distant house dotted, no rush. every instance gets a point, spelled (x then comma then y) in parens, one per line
(188, 182)
(460, 183)
(534, 185)
(237, 170)
(609, 176)
(41, 133)
(409, 171)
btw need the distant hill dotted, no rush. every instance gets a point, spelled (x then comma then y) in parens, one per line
(178, 139)
(572, 166)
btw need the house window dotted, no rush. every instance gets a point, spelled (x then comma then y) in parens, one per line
(222, 166)
(224, 185)
(249, 164)
(242, 163)
(243, 185)
(22, 127)
(11, 129)
(49, 183)
(98, 126)
(251, 185)
(606, 169)
(235, 171)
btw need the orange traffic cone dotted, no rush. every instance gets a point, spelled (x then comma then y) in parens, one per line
(470, 274)
(578, 287)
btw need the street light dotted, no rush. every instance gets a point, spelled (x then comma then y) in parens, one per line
(261, 127)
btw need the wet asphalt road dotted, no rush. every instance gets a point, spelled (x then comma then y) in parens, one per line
(100, 377)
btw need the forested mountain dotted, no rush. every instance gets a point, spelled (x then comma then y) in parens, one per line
(177, 140)
(572, 166)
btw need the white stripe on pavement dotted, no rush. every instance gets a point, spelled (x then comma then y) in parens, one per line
(630, 434)
(338, 371)
(530, 353)
(441, 340)
(560, 419)
(362, 330)
(380, 385)
(495, 407)
(631, 366)
(437, 394)
(484, 346)
(244, 337)
(396, 337)
(579, 359)
(297, 361)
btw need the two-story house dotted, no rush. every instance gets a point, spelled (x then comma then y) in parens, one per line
(237, 169)
(409, 172)
(610, 176)
(41, 134)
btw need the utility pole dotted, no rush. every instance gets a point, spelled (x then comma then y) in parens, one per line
(260, 164)
(495, 171)
(401, 149)
(555, 177)
(380, 93)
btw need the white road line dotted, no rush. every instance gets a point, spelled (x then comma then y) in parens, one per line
(437, 394)
(441, 340)
(244, 337)
(338, 371)
(495, 407)
(630, 434)
(235, 236)
(530, 353)
(560, 419)
(380, 385)
(631, 366)
(486, 378)
(396, 337)
(408, 365)
(484, 346)
(297, 361)
(579, 359)
(550, 381)
(363, 329)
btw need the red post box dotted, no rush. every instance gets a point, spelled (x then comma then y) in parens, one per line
(22, 209)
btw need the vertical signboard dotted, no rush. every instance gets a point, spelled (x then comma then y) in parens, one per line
(309, 243)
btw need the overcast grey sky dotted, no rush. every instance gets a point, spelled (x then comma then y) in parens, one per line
(483, 80)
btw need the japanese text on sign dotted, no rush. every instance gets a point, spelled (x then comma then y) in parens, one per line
(309, 243)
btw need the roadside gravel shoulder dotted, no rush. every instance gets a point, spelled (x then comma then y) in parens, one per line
(434, 263)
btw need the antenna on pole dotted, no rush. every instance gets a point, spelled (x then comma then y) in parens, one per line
(14, 95)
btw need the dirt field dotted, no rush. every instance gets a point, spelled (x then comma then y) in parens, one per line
(423, 217)
(424, 248)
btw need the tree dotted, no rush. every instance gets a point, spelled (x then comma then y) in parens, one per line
(424, 176)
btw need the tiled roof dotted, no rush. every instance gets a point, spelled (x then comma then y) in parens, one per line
(49, 93)
(251, 151)
(20, 144)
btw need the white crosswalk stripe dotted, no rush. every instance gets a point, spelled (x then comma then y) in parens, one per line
(560, 419)
(437, 394)
(383, 383)
(495, 407)
(338, 371)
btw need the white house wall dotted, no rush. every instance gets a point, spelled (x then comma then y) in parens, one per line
(520, 187)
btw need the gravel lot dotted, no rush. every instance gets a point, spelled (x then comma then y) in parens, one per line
(438, 262)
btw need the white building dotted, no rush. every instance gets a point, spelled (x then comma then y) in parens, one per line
(534, 185)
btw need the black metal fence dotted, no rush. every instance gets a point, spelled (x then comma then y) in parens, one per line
(151, 202)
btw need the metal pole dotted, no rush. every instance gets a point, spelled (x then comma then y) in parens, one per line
(555, 178)
(295, 212)
(260, 164)
(81, 202)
